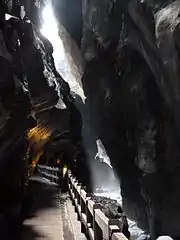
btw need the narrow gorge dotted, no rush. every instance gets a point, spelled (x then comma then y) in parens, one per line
(96, 84)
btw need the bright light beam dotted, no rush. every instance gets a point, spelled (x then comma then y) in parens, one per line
(50, 27)
(51, 32)
(64, 171)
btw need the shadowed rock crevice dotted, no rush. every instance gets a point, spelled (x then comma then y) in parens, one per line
(38, 118)
(131, 83)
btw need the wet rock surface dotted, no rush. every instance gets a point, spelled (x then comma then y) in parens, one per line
(110, 207)
(131, 82)
(37, 113)
(112, 210)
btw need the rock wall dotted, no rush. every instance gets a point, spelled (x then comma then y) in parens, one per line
(34, 101)
(131, 82)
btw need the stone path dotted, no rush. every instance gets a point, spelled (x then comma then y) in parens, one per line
(53, 217)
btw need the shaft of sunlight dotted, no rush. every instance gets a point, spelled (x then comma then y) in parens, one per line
(50, 27)
(50, 30)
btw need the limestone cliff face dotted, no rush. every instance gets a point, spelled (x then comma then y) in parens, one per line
(28, 65)
(131, 82)
(36, 109)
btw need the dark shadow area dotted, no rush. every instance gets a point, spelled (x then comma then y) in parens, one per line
(20, 232)
(39, 196)
(23, 233)
(28, 233)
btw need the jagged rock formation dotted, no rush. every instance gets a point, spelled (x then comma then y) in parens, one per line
(113, 210)
(38, 115)
(131, 82)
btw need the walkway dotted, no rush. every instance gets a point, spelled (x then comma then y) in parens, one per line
(52, 215)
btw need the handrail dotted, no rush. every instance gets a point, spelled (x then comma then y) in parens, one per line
(51, 173)
(48, 167)
(94, 223)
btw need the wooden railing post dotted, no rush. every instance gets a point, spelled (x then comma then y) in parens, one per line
(83, 198)
(51, 175)
(115, 226)
(78, 201)
(78, 194)
(98, 235)
(55, 176)
(89, 216)
(94, 223)
(75, 193)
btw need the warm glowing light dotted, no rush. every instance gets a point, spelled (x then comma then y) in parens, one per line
(64, 171)
(38, 133)
(58, 161)
(36, 158)
(33, 164)
(38, 137)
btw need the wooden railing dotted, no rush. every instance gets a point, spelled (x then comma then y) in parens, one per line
(94, 223)
(50, 173)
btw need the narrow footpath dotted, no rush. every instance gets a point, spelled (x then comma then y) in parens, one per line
(52, 216)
